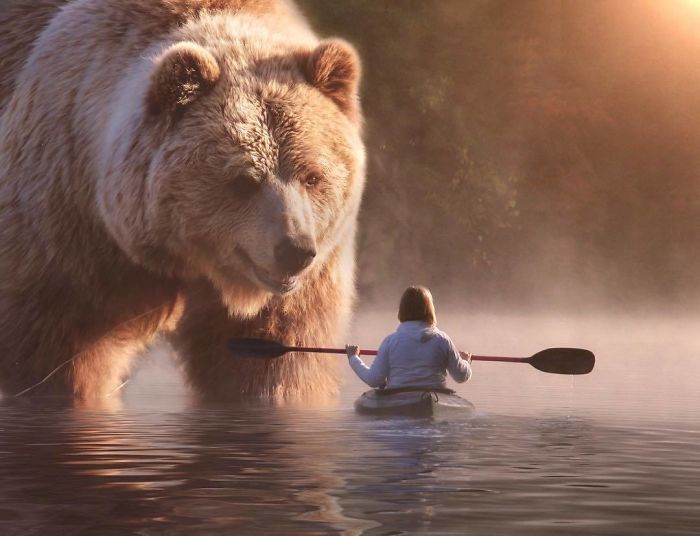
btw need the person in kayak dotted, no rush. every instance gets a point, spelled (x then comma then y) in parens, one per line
(417, 354)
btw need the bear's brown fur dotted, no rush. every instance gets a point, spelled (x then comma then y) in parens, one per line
(161, 157)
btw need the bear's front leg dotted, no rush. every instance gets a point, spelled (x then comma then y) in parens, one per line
(86, 375)
(314, 315)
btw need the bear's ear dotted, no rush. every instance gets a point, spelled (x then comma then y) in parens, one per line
(334, 69)
(182, 74)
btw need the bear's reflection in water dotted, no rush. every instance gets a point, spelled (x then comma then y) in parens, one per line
(207, 468)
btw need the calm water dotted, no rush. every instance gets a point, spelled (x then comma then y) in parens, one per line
(616, 452)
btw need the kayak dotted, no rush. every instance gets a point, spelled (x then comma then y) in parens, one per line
(414, 402)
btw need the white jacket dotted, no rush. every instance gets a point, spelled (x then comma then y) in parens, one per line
(415, 355)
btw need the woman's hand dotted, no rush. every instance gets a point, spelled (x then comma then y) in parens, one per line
(351, 350)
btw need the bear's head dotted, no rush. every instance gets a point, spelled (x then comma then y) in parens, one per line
(236, 157)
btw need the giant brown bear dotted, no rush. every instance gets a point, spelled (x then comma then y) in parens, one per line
(184, 166)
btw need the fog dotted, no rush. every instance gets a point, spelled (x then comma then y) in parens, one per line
(535, 154)
(645, 374)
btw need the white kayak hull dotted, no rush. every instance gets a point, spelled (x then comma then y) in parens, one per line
(416, 403)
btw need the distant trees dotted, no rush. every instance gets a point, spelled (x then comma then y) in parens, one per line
(527, 149)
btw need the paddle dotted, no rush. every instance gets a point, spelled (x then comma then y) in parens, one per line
(553, 360)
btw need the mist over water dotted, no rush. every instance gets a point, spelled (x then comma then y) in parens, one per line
(645, 374)
(646, 367)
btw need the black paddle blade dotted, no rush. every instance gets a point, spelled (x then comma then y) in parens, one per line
(256, 348)
(564, 361)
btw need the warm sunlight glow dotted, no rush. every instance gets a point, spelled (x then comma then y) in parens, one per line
(686, 11)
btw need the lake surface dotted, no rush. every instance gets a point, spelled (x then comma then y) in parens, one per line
(615, 452)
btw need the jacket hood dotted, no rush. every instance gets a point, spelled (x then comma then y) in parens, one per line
(417, 330)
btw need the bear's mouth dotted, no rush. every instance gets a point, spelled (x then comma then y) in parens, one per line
(277, 285)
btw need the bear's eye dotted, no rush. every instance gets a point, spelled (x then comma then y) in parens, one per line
(245, 185)
(311, 180)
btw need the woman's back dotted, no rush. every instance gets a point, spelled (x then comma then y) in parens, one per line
(417, 354)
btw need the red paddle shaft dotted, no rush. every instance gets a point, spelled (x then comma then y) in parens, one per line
(374, 352)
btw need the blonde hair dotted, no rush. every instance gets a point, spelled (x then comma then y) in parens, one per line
(417, 304)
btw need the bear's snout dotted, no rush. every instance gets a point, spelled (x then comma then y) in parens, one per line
(294, 255)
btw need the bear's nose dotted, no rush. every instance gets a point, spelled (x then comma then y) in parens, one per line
(293, 255)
